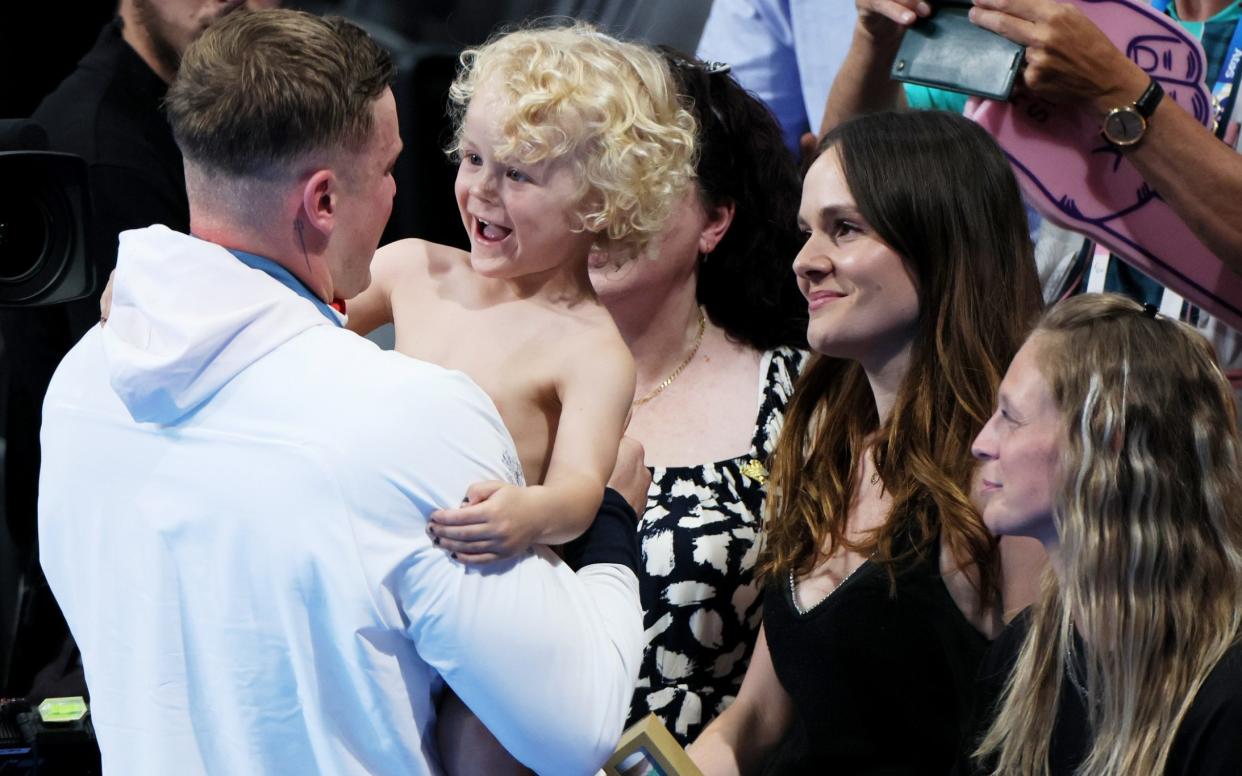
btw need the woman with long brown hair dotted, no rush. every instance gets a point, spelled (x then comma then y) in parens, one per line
(882, 581)
(1115, 442)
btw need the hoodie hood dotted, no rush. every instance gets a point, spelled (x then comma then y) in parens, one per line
(187, 316)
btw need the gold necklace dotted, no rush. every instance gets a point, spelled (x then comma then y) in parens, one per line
(698, 340)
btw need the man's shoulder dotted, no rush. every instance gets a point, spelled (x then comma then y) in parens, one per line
(370, 406)
(353, 363)
(375, 388)
(70, 114)
(80, 371)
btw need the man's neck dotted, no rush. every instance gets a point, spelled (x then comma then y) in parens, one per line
(1200, 10)
(288, 256)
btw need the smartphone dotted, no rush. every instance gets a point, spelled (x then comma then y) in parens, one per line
(947, 51)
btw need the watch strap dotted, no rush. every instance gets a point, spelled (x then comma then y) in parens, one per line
(1147, 102)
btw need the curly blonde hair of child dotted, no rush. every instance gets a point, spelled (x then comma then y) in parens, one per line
(607, 106)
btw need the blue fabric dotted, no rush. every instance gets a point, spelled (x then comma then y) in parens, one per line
(286, 277)
(785, 51)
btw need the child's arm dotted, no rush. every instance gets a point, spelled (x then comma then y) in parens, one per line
(373, 307)
(499, 520)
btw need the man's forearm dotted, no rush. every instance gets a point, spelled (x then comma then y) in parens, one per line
(546, 658)
(612, 538)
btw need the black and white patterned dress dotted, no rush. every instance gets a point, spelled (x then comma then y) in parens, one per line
(701, 536)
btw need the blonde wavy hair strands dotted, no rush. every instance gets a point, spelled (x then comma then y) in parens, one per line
(606, 106)
(937, 189)
(1148, 510)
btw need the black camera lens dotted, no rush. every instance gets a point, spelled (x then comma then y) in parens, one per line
(25, 228)
(43, 209)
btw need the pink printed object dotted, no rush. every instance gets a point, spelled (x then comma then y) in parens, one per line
(1075, 178)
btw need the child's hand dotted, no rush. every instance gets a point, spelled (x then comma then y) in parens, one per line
(496, 521)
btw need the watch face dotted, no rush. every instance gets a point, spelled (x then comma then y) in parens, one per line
(1124, 126)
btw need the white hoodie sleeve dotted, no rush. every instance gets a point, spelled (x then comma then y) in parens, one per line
(546, 658)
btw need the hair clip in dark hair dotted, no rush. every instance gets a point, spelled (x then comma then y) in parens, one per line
(1150, 311)
(710, 68)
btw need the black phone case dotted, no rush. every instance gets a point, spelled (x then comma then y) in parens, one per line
(947, 51)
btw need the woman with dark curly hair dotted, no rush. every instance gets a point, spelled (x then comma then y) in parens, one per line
(716, 326)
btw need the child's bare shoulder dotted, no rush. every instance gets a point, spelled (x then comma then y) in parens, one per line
(594, 349)
(415, 260)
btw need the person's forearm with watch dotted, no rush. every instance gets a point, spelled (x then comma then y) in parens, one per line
(1069, 59)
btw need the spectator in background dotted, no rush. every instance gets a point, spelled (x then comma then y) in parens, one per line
(717, 329)
(1070, 60)
(108, 112)
(785, 51)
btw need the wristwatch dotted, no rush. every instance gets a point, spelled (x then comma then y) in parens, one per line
(1124, 127)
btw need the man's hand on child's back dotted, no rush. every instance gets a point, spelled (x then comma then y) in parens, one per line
(494, 522)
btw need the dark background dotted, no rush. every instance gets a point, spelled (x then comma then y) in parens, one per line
(41, 42)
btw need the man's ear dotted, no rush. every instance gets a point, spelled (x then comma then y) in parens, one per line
(719, 218)
(319, 200)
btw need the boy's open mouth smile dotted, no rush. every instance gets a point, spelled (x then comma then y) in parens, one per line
(489, 233)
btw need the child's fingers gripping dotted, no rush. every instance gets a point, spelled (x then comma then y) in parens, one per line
(482, 491)
(475, 532)
(478, 558)
(471, 549)
(470, 546)
(465, 515)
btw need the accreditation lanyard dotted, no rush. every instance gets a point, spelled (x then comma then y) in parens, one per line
(1224, 91)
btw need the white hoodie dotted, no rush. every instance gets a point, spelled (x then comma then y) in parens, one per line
(232, 517)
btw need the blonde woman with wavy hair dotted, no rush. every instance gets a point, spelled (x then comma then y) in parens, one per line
(567, 141)
(1115, 443)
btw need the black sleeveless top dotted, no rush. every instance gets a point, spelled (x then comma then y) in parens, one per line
(1208, 742)
(880, 683)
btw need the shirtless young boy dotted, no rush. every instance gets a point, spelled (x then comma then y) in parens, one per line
(567, 140)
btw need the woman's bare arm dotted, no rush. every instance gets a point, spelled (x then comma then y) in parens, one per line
(739, 740)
